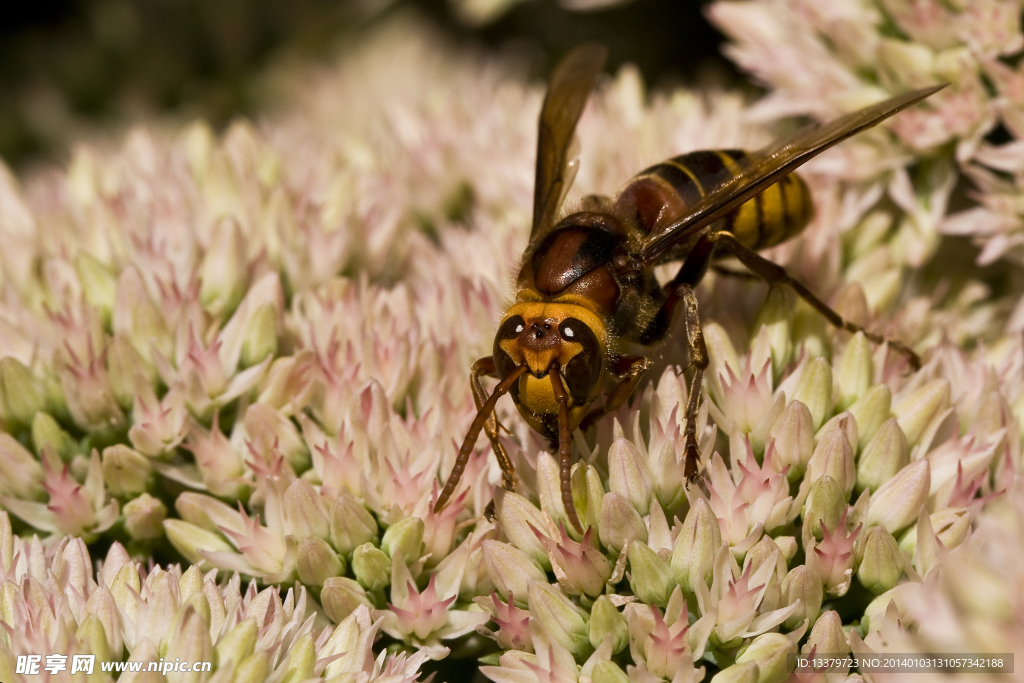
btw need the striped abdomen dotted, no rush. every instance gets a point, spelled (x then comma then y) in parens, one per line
(660, 194)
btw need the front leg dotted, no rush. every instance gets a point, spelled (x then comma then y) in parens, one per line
(483, 416)
(481, 368)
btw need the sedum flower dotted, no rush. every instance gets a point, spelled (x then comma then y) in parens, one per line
(271, 326)
(832, 559)
(580, 568)
(734, 601)
(423, 617)
(513, 623)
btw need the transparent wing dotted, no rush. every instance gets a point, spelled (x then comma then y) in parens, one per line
(763, 168)
(568, 89)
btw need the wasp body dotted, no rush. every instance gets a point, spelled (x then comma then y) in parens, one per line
(587, 292)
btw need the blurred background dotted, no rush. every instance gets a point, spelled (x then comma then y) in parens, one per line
(74, 69)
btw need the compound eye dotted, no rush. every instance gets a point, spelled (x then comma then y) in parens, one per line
(573, 330)
(582, 372)
(510, 328)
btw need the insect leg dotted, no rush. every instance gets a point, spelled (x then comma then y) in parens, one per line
(618, 395)
(564, 446)
(699, 359)
(474, 431)
(680, 290)
(481, 368)
(729, 272)
(774, 274)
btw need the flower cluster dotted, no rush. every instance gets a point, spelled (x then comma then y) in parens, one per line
(252, 350)
(54, 603)
(820, 59)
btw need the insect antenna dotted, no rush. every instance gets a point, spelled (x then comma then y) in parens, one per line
(474, 431)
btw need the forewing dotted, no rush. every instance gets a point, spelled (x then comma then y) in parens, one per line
(763, 168)
(568, 89)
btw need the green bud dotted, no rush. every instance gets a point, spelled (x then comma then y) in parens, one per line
(916, 411)
(828, 636)
(802, 584)
(694, 554)
(595, 493)
(949, 524)
(793, 432)
(372, 567)
(881, 561)
(21, 475)
(854, 370)
(911, 60)
(628, 475)
(306, 511)
(561, 619)
(351, 524)
(128, 373)
(139, 319)
(834, 457)
(815, 390)
(516, 515)
(126, 471)
(874, 613)
(747, 672)
(407, 536)
(620, 523)
(144, 517)
(844, 422)
(606, 620)
(301, 660)
(255, 667)
(260, 338)
(189, 638)
(788, 546)
(870, 233)
(222, 273)
(776, 317)
(236, 644)
(898, 501)
(606, 671)
(650, 576)
(189, 539)
(47, 433)
(92, 638)
(316, 562)
(825, 504)
(21, 394)
(510, 569)
(190, 583)
(6, 542)
(99, 285)
(340, 596)
(871, 410)
(124, 588)
(769, 651)
(885, 455)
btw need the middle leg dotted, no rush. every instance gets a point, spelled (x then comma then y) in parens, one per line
(680, 291)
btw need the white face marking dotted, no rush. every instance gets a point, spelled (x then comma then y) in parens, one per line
(519, 328)
(568, 332)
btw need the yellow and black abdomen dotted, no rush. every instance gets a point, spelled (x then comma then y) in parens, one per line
(661, 193)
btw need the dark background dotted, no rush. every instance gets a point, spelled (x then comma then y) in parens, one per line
(69, 67)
